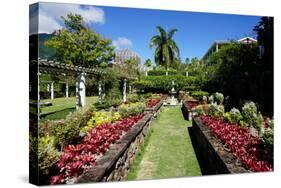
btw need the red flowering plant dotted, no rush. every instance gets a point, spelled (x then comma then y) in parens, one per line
(77, 158)
(245, 147)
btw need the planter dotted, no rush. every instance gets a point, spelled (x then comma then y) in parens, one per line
(115, 163)
(213, 157)
(156, 109)
(187, 111)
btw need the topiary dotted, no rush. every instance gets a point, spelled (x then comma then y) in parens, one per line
(216, 110)
(251, 115)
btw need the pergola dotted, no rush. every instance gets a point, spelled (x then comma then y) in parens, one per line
(57, 68)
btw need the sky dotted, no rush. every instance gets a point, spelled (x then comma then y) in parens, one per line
(132, 29)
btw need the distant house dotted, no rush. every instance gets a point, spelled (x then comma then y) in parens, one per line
(123, 55)
(217, 45)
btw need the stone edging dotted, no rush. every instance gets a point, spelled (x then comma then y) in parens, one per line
(155, 110)
(187, 111)
(211, 153)
(115, 163)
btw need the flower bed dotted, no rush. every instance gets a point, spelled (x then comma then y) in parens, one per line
(239, 141)
(152, 102)
(76, 159)
(154, 105)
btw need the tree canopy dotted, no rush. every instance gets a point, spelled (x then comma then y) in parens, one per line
(77, 44)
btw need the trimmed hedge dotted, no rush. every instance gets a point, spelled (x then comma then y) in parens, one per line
(164, 83)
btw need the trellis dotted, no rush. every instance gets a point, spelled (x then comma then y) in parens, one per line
(57, 68)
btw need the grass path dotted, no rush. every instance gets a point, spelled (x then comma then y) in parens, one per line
(168, 151)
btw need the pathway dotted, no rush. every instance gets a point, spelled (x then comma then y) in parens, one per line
(168, 151)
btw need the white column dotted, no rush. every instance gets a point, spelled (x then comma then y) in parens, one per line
(48, 87)
(146, 73)
(81, 91)
(217, 47)
(52, 90)
(100, 93)
(166, 73)
(124, 91)
(66, 89)
(186, 74)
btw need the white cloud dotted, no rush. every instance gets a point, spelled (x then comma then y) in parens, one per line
(122, 43)
(50, 16)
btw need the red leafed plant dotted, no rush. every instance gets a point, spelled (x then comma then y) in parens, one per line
(75, 158)
(192, 104)
(244, 146)
(152, 102)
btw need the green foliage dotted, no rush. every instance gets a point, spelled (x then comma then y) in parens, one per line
(251, 115)
(268, 137)
(133, 98)
(131, 109)
(164, 83)
(67, 131)
(163, 72)
(211, 99)
(234, 116)
(78, 45)
(166, 49)
(198, 95)
(47, 154)
(148, 63)
(199, 110)
(113, 97)
(216, 110)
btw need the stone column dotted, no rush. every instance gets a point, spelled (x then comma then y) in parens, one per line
(100, 93)
(167, 73)
(124, 90)
(52, 90)
(81, 91)
(186, 74)
(66, 89)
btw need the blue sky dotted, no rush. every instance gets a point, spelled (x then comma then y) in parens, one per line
(133, 28)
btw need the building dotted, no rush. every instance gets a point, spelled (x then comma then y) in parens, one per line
(123, 55)
(217, 45)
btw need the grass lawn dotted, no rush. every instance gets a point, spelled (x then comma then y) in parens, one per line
(168, 151)
(61, 107)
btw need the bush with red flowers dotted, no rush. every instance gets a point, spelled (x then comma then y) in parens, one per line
(245, 147)
(75, 158)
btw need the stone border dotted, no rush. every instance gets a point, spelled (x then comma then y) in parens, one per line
(156, 109)
(213, 156)
(187, 111)
(115, 163)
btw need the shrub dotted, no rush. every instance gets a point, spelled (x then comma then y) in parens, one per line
(131, 109)
(211, 99)
(204, 99)
(68, 131)
(47, 154)
(218, 97)
(251, 115)
(132, 98)
(235, 115)
(199, 94)
(216, 110)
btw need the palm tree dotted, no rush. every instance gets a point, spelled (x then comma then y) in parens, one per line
(166, 49)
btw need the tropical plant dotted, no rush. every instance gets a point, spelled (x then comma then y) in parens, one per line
(251, 115)
(166, 49)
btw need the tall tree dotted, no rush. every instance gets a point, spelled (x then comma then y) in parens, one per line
(77, 44)
(148, 63)
(166, 49)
